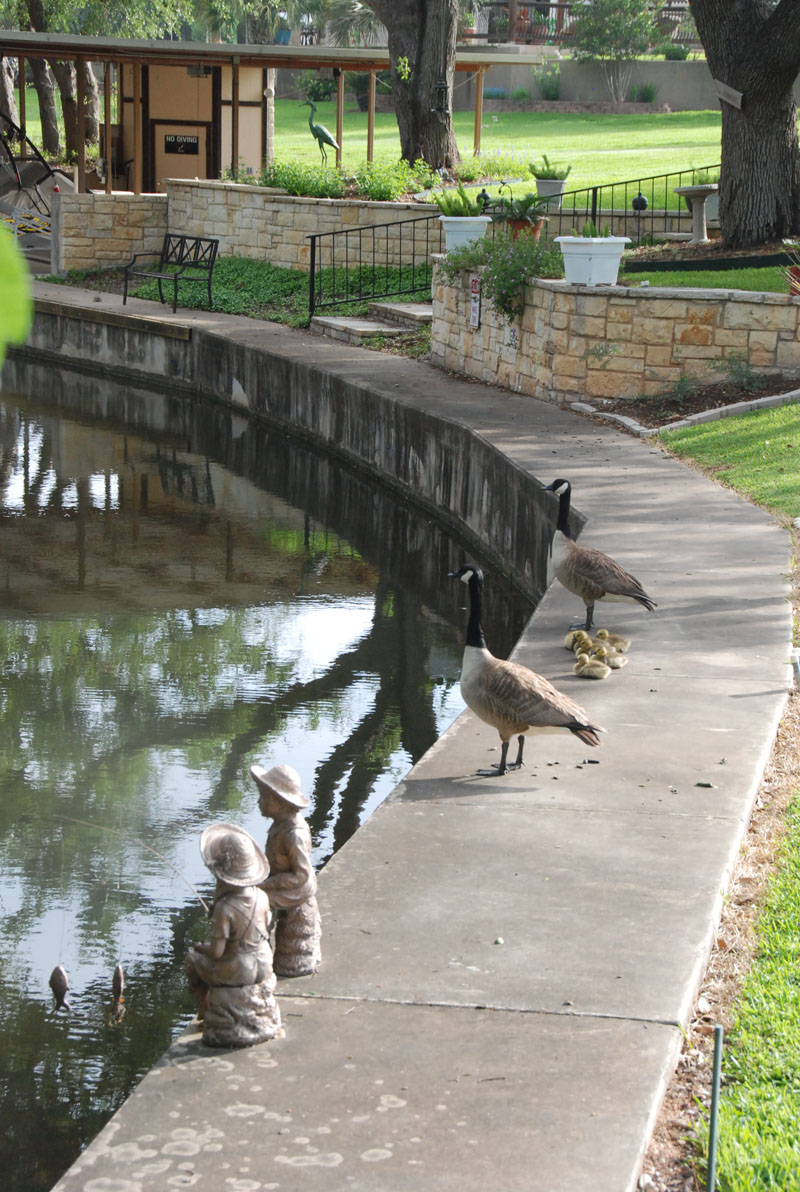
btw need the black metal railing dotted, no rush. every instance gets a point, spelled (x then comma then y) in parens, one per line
(372, 263)
(642, 208)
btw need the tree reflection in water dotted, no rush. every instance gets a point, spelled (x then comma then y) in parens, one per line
(178, 604)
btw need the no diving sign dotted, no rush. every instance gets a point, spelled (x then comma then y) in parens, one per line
(180, 143)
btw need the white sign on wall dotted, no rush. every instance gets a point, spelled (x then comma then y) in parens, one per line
(474, 299)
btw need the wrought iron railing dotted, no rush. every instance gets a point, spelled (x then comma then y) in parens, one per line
(641, 208)
(372, 263)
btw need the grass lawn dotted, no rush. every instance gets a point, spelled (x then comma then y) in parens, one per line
(771, 278)
(758, 454)
(600, 148)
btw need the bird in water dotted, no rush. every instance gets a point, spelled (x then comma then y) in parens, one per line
(117, 986)
(585, 571)
(512, 698)
(59, 983)
(320, 132)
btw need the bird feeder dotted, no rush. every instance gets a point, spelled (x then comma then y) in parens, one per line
(440, 99)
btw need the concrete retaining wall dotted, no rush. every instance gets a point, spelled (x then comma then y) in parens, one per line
(439, 464)
(572, 342)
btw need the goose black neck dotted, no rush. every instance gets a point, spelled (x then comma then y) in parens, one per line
(474, 631)
(563, 513)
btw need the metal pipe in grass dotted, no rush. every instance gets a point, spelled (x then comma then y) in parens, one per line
(712, 1125)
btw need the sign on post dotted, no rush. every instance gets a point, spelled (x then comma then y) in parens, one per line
(474, 299)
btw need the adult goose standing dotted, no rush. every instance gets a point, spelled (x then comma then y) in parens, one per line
(511, 697)
(585, 571)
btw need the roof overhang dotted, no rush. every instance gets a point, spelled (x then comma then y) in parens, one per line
(181, 53)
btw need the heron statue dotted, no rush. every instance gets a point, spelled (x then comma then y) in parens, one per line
(320, 132)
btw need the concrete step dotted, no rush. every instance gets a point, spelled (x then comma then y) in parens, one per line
(413, 314)
(353, 330)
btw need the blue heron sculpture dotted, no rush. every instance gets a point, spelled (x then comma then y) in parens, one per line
(320, 132)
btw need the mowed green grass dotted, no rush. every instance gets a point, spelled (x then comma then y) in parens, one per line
(771, 279)
(600, 148)
(758, 454)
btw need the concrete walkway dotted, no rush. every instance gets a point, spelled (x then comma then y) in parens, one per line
(507, 961)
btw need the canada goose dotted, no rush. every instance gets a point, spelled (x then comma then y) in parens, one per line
(509, 696)
(614, 641)
(610, 657)
(585, 571)
(591, 668)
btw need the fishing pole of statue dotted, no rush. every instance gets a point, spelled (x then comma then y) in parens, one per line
(104, 828)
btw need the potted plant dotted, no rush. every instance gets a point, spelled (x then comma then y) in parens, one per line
(592, 258)
(524, 216)
(551, 179)
(463, 218)
(792, 271)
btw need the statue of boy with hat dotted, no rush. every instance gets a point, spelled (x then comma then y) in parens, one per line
(292, 884)
(231, 975)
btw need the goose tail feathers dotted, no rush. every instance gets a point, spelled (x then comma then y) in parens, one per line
(587, 733)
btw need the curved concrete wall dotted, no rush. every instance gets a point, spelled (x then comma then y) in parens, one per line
(437, 462)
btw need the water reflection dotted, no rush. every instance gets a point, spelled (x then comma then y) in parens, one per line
(179, 602)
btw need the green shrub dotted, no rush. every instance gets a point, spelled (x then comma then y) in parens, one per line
(548, 79)
(508, 265)
(318, 182)
(315, 86)
(495, 93)
(643, 93)
(675, 52)
(521, 95)
(384, 181)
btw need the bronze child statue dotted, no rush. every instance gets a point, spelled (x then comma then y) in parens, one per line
(230, 975)
(292, 884)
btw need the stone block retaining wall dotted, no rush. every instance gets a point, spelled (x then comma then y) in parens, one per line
(249, 221)
(99, 229)
(573, 343)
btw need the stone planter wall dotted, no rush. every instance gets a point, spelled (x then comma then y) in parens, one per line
(572, 342)
(249, 221)
(99, 229)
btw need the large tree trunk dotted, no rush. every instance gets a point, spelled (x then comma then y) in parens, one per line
(45, 89)
(755, 49)
(422, 52)
(66, 78)
(8, 100)
(92, 93)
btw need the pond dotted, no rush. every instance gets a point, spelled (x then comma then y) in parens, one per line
(184, 593)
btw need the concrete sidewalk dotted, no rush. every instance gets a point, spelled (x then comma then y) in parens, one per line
(507, 962)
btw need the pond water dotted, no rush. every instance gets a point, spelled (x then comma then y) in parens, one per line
(182, 594)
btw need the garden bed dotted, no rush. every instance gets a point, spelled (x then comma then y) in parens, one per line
(683, 401)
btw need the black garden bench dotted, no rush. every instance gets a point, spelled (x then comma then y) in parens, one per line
(182, 259)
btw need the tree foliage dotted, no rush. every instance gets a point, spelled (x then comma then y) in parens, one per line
(614, 32)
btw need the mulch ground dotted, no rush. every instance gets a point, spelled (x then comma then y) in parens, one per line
(660, 410)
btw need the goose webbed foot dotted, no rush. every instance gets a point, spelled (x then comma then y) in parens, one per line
(499, 767)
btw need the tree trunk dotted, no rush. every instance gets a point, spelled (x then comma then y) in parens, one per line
(66, 78)
(92, 94)
(45, 89)
(756, 51)
(422, 52)
(8, 100)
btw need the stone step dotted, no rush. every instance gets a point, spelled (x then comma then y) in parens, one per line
(353, 330)
(413, 314)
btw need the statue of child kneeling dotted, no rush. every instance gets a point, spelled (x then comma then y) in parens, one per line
(230, 975)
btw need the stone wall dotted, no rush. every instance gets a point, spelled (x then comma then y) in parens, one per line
(97, 229)
(249, 221)
(573, 342)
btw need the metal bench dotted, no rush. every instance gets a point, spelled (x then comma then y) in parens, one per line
(182, 259)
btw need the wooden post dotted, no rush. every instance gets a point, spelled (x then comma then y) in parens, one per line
(80, 66)
(22, 101)
(476, 145)
(339, 115)
(137, 128)
(107, 124)
(370, 116)
(235, 121)
(512, 20)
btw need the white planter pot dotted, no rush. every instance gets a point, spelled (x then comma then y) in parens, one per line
(592, 260)
(550, 190)
(463, 229)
